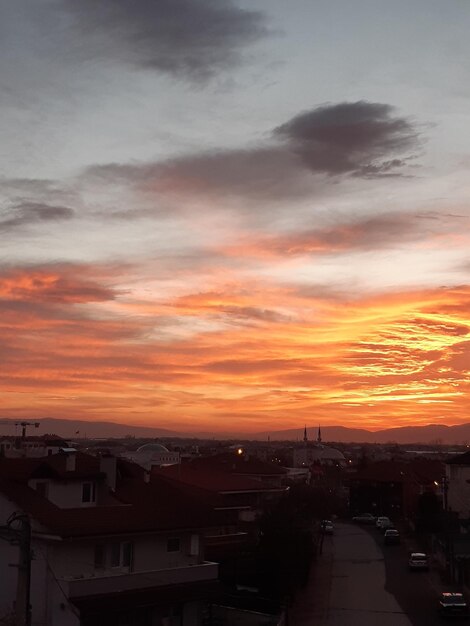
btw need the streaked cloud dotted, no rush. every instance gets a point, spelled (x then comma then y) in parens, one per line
(210, 215)
(54, 283)
(297, 357)
(30, 213)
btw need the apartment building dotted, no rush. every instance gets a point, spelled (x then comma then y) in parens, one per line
(108, 547)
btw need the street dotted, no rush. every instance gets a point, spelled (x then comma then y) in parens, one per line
(357, 581)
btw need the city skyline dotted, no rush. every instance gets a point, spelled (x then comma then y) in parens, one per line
(220, 213)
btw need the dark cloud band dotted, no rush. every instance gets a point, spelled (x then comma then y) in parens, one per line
(191, 38)
(350, 138)
(360, 139)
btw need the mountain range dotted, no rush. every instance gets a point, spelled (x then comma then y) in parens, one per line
(77, 429)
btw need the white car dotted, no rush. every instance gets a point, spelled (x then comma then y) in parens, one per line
(418, 561)
(364, 518)
(391, 536)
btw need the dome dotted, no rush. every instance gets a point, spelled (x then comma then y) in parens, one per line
(332, 454)
(152, 447)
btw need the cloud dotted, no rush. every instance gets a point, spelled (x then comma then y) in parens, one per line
(29, 213)
(186, 38)
(360, 139)
(368, 233)
(52, 285)
(69, 334)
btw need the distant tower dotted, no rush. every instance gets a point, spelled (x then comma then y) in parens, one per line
(305, 434)
(319, 434)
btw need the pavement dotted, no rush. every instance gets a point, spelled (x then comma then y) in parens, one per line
(347, 585)
(312, 603)
(359, 581)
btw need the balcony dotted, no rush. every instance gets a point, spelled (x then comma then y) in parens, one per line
(137, 581)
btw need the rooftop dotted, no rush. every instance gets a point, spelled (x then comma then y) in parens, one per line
(140, 506)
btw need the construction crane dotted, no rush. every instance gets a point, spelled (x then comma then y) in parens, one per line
(23, 425)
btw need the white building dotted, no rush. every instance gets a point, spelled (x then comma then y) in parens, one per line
(20, 447)
(317, 452)
(457, 485)
(108, 548)
(152, 454)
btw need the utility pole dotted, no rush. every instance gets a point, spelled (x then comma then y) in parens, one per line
(449, 530)
(23, 585)
(22, 537)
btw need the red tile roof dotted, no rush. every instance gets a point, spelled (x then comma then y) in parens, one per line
(459, 459)
(238, 464)
(146, 507)
(211, 480)
(53, 466)
(420, 471)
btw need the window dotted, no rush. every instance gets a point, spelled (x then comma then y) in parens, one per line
(88, 492)
(115, 554)
(126, 554)
(100, 556)
(194, 548)
(173, 544)
(42, 489)
(121, 554)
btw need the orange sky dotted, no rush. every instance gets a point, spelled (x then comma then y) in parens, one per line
(239, 358)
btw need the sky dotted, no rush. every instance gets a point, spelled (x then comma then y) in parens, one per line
(222, 215)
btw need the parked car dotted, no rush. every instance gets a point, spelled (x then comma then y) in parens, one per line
(364, 518)
(391, 536)
(327, 527)
(418, 561)
(383, 522)
(452, 604)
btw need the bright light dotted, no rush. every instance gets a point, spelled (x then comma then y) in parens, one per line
(240, 451)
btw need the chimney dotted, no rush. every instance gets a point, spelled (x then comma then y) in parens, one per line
(70, 462)
(108, 465)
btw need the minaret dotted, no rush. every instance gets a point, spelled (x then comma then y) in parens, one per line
(319, 434)
(305, 434)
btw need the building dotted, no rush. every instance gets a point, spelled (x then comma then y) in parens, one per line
(152, 454)
(394, 488)
(20, 447)
(317, 453)
(109, 548)
(238, 489)
(457, 485)
(243, 464)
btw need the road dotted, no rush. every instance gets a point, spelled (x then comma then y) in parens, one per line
(357, 581)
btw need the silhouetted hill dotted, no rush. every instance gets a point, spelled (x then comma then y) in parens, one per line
(93, 430)
(431, 433)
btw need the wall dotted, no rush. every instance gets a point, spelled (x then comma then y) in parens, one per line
(75, 558)
(458, 493)
(192, 613)
(66, 495)
(151, 550)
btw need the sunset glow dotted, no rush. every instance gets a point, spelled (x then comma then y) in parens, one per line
(191, 242)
